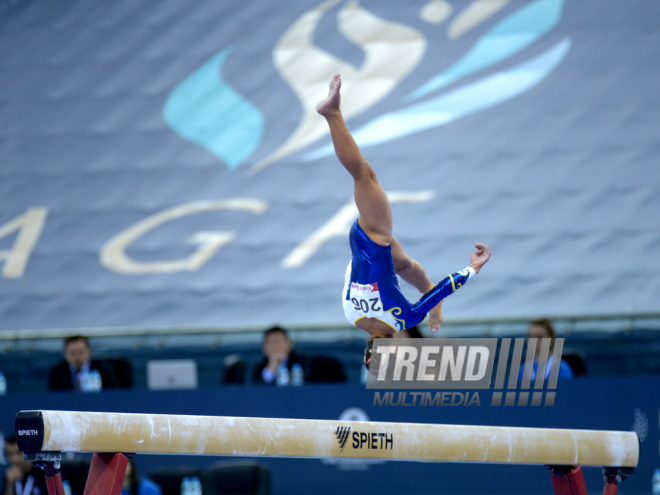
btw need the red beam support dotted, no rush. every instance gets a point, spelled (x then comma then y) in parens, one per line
(569, 482)
(611, 487)
(106, 474)
(54, 481)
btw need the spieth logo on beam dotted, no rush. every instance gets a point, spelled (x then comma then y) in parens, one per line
(342, 435)
(22, 433)
(464, 364)
(363, 440)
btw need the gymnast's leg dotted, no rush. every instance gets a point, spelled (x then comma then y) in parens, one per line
(372, 202)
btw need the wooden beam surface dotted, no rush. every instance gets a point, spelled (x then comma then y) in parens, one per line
(67, 431)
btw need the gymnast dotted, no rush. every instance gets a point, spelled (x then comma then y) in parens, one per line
(372, 298)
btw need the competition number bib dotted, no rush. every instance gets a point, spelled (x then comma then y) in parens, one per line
(366, 299)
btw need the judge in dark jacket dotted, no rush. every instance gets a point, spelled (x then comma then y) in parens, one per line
(73, 373)
(278, 350)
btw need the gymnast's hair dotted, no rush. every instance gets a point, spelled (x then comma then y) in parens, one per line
(367, 352)
(413, 333)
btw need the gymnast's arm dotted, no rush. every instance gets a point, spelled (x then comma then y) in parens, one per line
(450, 284)
(410, 270)
(413, 272)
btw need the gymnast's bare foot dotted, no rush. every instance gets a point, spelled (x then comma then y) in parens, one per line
(330, 105)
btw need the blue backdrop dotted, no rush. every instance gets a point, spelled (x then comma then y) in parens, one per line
(162, 164)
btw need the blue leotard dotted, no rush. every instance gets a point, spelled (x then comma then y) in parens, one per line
(372, 288)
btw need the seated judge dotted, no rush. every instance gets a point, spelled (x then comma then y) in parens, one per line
(78, 371)
(280, 365)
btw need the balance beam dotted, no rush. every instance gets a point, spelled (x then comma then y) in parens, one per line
(66, 431)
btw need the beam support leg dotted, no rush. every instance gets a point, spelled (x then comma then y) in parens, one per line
(53, 480)
(611, 487)
(612, 478)
(568, 480)
(106, 474)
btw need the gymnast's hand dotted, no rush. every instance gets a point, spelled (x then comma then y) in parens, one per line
(435, 318)
(479, 257)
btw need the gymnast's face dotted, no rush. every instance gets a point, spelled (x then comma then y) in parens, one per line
(77, 353)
